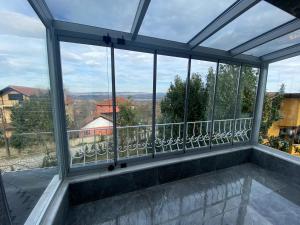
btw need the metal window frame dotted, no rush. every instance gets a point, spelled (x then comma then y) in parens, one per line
(139, 17)
(57, 100)
(259, 102)
(114, 105)
(213, 106)
(238, 90)
(186, 102)
(268, 36)
(84, 34)
(235, 10)
(154, 103)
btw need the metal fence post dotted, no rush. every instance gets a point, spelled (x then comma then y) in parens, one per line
(154, 103)
(57, 99)
(259, 103)
(236, 102)
(186, 102)
(115, 132)
(213, 106)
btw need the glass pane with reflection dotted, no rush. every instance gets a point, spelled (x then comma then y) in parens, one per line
(225, 99)
(86, 74)
(134, 92)
(200, 103)
(170, 95)
(259, 19)
(245, 104)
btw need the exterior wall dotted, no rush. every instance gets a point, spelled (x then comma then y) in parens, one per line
(98, 127)
(290, 110)
(274, 130)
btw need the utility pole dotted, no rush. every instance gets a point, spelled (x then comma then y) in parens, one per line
(3, 122)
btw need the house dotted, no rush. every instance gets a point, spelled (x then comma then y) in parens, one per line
(100, 122)
(13, 95)
(105, 107)
(289, 125)
(97, 126)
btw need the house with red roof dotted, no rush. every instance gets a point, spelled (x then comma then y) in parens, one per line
(14, 95)
(100, 122)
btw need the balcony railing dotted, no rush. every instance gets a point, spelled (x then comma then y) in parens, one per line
(95, 145)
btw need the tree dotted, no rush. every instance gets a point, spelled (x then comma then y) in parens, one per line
(271, 111)
(126, 115)
(172, 105)
(31, 116)
(248, 85)
(226, 91)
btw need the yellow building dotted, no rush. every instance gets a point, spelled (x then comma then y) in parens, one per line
(14, 95)
(11, 96)
(289, 125)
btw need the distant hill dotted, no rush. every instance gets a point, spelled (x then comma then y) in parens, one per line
(98, 96)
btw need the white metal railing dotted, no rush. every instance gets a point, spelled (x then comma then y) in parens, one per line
(94, 145)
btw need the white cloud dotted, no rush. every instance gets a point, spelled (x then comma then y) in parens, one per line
(13, 23)
(285, 72)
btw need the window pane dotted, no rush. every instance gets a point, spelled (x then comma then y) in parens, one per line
(225, 100)
(88, 106)
(27, 146)
(277, 44)
(180, 20)
(245, 104)
(134, 84)
(115, 15)
(257, 20)
(170, 94)
(280, 127)
(201, 93)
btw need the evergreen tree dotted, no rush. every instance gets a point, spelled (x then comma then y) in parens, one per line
(31, 116)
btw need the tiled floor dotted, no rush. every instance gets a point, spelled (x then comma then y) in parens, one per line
(238, 195)
(23, 189)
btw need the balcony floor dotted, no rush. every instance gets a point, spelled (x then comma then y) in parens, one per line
(240, 195)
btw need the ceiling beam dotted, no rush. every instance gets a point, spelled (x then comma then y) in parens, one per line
(282, 54)
(78, 33)
(139, 17)
(266, 37)
(226, 17)
(42, 10)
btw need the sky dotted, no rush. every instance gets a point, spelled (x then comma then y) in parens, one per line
(23, 54)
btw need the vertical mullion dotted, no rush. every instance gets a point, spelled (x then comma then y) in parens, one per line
(259, 103)
(115, 132)
(213, 104)
(186, 102)
(236, 102)
(57, 101)
(154, 102)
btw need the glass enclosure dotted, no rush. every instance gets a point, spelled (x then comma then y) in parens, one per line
(200, 103)
(225, 99)
(115, 15)
(27, 147)
(180, 20)
(280, 126)
(170, 95)
(132, 96)
(257, 20)
(86, 73)
(245, 103)
(134, 84)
